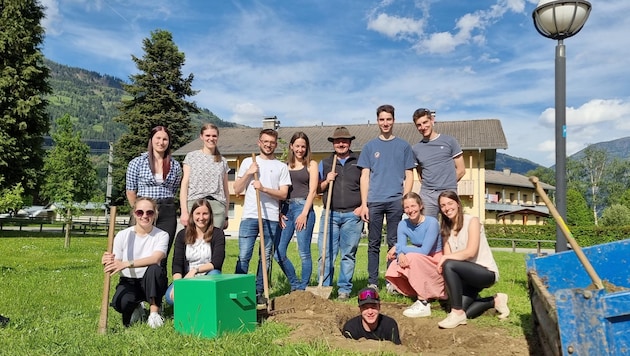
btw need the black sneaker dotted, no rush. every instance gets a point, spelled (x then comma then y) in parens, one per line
(4, 321)
(261, 302)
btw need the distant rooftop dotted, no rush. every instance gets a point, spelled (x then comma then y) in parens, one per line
(484, 134)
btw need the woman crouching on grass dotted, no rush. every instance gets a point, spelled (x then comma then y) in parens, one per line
(467, 264)
(137, 253)
(199, 248)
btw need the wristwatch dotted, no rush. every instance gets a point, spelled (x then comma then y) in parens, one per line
(130, 263)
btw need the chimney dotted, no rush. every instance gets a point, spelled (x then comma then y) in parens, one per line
(507, 171)
(271, 123)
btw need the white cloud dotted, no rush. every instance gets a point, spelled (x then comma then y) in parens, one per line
(247, 114)
(52, 21)
(396, 27)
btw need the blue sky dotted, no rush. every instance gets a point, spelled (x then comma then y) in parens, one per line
(333, 62)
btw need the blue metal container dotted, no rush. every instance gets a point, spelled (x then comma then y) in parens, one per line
(570, 316)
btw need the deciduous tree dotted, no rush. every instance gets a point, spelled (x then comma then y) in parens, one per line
(70, 175)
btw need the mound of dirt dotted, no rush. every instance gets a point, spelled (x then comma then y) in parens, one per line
(317, 319)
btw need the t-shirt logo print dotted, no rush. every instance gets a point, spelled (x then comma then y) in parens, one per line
(377, 154)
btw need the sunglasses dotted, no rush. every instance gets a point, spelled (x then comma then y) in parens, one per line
(368, 294)
(149, 213)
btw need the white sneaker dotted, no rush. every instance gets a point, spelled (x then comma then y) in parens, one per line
(453, 320)
(500, 305)
(155, 320)
(391, 289)
(138, 314)
(417, 310)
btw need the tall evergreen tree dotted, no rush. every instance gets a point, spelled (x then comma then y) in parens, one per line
(158, 97)
(23, 85)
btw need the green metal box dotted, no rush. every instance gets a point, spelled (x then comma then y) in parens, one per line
(208, 306)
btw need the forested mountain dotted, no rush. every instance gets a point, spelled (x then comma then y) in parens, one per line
(515, 164)
(92, 100)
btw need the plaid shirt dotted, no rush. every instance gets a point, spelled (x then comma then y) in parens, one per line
(141, 180)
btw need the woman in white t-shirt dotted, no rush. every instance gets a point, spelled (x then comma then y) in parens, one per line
(467, 265)
(136, 254)
(206, 176)
(199, 248)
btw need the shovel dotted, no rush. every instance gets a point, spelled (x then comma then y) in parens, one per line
(263, 256)
(320, 290)
(567, 234)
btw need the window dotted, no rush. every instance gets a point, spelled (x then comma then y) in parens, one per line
(231, 210)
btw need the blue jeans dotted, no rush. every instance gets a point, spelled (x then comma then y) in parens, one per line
(247, 233)
(304, 238)
(344, 234)
(167, 295)
(393, 211)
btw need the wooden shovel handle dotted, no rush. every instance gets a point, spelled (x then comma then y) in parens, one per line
(567, 234)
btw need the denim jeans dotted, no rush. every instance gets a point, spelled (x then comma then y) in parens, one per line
(247, 233)
(167, 296)
(344, 234)
(304, 238)
(393, 211)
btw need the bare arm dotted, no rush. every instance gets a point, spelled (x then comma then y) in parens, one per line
(460, 166)
(132, 195)
(183, 195)
(408, 183)
(364, 186)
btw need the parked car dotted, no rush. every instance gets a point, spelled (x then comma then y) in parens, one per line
(41, 212)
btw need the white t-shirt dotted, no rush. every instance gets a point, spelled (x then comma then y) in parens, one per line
(143, 246)
(272, 174)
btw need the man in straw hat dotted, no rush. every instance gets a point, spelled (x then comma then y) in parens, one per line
(344, 224)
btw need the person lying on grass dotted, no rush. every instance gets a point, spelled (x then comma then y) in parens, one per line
(137, 253)
(371, 324)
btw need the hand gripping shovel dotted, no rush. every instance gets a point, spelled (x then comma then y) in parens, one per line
(320, 290)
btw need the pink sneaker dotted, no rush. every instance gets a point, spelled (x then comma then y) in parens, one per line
(501, 305)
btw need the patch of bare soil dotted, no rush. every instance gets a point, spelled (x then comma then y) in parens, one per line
(316, 319)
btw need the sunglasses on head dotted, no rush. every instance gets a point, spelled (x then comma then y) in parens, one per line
(139, 213)
(368, 294)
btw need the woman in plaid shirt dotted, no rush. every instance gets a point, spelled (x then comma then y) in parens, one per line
(155, 174)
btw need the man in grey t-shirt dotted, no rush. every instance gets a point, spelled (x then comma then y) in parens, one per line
(440, 161)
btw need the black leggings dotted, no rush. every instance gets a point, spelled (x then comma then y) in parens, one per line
(464, 280)
(131, 291)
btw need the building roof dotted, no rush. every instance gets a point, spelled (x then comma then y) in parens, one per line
(471, 134)
(508, 178)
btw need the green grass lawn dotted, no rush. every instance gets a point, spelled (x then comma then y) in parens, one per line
(53, 297)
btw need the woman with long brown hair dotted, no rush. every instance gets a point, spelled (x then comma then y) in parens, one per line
(155, 174)
(199, 248)
(467, 265)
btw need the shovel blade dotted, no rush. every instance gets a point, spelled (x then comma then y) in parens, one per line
(320, 291)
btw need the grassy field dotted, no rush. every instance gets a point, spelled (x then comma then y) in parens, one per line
(53, 295)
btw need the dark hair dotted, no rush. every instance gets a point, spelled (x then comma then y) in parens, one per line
(447, 224)
(269, 132)
(166, 162)
(421, 113)
(211, 126)
(191, 228)
(307, 156)
(385, 108)
(416, 197)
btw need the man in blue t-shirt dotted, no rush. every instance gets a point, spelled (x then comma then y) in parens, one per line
(440, 161)
(387, 165)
